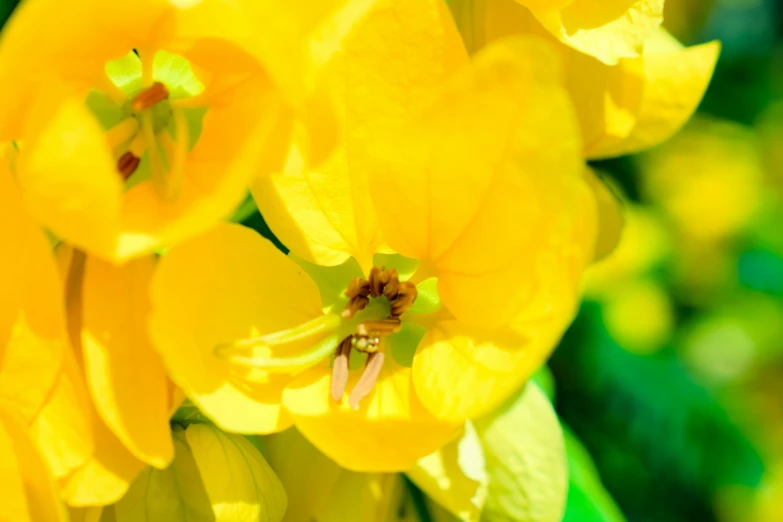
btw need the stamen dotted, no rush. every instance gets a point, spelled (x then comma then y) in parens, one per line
(127, 165)
(372, 370)
(383, 327)
(358, 286)
(157, 92)
(340, 369)
(356, 303)
(321, 328)
(376, 285)
(405, 298)
(391, 284)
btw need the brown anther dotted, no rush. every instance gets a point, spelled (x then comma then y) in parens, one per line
(356, 303)
(368, 379)
(406, 297)
(340, 368)
(157, 92)
(391, 284)
(358, 286)
(376, 285)
(127, 165)
(380, 328)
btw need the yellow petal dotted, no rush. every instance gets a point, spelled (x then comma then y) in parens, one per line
(640, 102)
(455, 476)
(32, 318)
(390, 431)
(73, 189)
(107, 475)
(238, 481)
(606, 29)
(176, 492)
(63, 428)
(461, 372)
(125, 374)
(610, 215)
(29, 492)
(487, 182)
(226, 285)
(371, 497)
(325, 215)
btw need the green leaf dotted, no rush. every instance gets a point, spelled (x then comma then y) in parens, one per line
(455, 476)
(525, 457)
(588, 500)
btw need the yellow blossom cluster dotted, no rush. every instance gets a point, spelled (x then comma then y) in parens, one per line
(422, 162)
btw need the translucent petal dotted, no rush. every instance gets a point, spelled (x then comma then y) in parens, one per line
(325, 215)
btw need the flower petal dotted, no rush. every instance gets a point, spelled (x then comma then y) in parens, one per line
(226, 285)
(606, 29)
(325, 215)
(238, 481)
(657, 93)
(610, 215)
(29, 493)
(390, 431)
(32, 317)
(486, 182)
(63, 428)
(105, 478)
(461, 372)
(125, 374)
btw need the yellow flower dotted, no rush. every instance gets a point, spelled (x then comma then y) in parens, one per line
(33, 342)
(624, 105)
(471, 171)
(141, 123)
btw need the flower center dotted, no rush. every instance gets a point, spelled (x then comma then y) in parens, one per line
(367, 338)
(371, 315)
(151, 123)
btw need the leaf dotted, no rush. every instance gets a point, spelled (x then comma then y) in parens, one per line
(588, 500)
(525, 457)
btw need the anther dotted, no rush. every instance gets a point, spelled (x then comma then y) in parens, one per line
(376, 284)
(405, 298)
(157, 92)
(372, 370)
(391, 284)
(127, 164)
(340, 368)
(356, 303)
(381, 328)
(358, 286)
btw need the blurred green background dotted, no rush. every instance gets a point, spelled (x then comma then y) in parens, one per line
(672, 374)
(670, 381)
